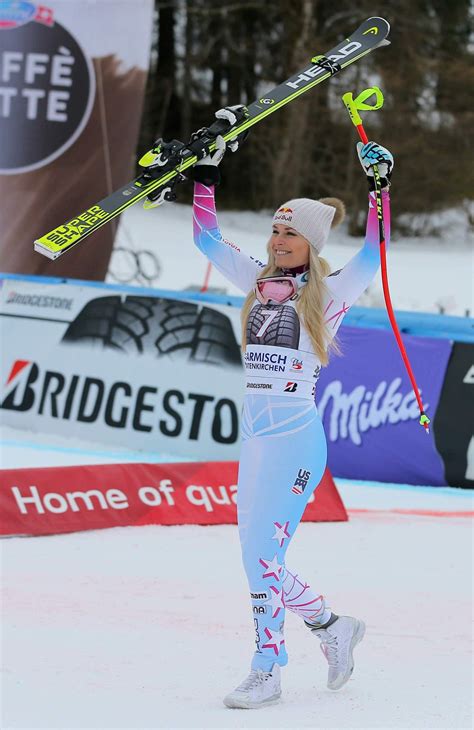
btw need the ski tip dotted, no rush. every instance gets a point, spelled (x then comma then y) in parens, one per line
(378, 21)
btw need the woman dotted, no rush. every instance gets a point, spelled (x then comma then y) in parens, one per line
(293, 309)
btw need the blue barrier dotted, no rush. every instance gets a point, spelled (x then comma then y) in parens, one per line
(459, 329)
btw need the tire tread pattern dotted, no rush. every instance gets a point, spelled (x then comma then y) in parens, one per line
(162, 327)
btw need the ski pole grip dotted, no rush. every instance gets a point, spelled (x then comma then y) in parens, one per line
(354, 106)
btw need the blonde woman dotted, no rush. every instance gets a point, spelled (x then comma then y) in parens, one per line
(292, 311)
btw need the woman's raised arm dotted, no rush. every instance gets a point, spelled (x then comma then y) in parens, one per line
(236, 266)
(350, 282)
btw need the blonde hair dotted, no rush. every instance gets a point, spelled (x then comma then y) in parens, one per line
(309, 305)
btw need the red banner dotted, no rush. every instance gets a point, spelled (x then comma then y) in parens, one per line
(53, 500)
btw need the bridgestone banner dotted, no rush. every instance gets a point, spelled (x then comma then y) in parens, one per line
(149, 373)
(72, 77)
(67, 499)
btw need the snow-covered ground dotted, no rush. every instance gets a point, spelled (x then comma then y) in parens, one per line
(426, 274)
(148, 627)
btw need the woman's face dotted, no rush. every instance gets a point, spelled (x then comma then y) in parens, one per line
(288, 247)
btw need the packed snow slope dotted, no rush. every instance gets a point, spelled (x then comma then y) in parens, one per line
(149, 627)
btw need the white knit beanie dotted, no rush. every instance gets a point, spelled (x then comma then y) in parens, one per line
(310, 218)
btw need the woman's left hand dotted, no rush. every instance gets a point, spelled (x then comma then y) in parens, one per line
(371, 154)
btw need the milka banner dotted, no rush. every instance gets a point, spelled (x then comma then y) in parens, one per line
(72, 77)
(369, 410)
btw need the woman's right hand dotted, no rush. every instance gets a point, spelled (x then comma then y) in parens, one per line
(206, 170)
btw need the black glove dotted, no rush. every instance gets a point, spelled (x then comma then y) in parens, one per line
(206, 171)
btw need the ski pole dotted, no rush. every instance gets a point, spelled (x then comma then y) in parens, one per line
(207, 276)
(354, 106)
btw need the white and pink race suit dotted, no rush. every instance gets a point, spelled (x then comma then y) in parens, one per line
(283, 453)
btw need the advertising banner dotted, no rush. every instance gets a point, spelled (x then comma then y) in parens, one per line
(73, 74)
(369, 410)
(140, 372)
(455, 417)
(68, 499)
(155, 371)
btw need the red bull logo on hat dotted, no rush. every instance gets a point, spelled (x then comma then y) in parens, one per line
(284, 214)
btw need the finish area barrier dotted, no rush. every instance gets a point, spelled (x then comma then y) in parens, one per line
(49, 501)
(161, 371)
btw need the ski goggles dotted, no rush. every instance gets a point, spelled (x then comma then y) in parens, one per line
(276, 289)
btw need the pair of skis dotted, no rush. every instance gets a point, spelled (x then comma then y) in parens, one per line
(166, 163)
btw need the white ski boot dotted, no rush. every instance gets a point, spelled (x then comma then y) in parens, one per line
(258, 690)
(337, 643)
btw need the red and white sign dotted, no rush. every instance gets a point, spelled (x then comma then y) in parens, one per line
(55, 500)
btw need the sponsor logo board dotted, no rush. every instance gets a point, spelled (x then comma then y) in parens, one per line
(100, 405)
(43, 501)
(56, 376)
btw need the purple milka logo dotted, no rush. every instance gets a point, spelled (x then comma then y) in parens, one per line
(350, 415)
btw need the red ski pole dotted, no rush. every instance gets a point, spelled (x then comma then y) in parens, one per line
(353, 107)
